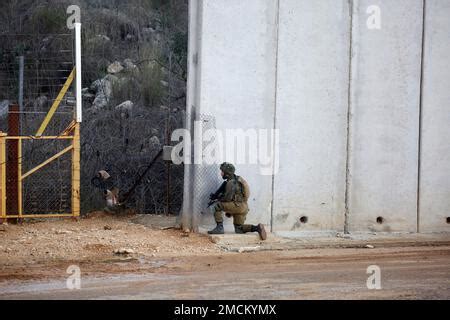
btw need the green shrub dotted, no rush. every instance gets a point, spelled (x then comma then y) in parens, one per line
(48, 20)
(126, 88)
(152, 90)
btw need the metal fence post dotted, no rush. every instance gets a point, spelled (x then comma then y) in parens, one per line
(76, 131)
(19, 178)
(3, 176)
(78, 84)
(76, 172)
(21, 71)
(12, 190)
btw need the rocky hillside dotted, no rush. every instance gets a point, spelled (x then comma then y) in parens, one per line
(134, 79)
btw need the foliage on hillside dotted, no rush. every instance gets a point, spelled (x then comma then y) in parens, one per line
(128, 113)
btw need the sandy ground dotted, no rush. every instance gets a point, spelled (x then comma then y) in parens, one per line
(30, 246)
(169, 264)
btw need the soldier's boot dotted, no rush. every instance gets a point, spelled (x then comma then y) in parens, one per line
(238, 229)
(262, 231)
(218, 229)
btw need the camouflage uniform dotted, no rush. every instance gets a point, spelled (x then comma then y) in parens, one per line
(232, 201)
(228, 204)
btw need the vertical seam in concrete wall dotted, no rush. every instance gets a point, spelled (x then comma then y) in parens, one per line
(186, 219)
(349, 128)
(419, 165)
(277, 25)
(198, 88)
(194, 46)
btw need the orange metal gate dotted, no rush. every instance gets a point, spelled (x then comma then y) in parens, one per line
(70, 138)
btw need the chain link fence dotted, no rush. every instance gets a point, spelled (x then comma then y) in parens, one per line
(123, 143)
(49, 189)
(206, 178)
(33, 70)
(120, 141)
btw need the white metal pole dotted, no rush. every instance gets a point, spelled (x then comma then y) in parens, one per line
(21, 68)
(78, 71)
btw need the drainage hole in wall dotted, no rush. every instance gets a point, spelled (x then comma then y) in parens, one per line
(448, 220)
(304, 219)
(380, 220)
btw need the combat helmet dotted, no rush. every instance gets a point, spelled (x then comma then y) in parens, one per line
(228, 169)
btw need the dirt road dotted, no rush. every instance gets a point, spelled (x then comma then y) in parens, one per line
(406, 273)
(166, 263)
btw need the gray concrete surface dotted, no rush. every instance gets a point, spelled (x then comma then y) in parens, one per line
(354, 131)
(384, 124)
(236, 70)
(435, 146)
(312, 95)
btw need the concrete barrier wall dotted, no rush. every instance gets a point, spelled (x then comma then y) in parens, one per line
(312, 95)
(435, 139)
(346, 100)
(385, 105)
(237, 87)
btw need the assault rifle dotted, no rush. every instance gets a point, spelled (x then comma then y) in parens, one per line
(214, 197)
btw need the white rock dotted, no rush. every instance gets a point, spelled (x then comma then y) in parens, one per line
(248, 249)
(96, 85)
(369, 246)
(154, 141)
(125, 106)
(103, 85)
(102, 37)
(155, 131)
(108, 82)
(88, 96)
(343, 235)
(103, 89)
(100, 101)
(115, 67)
(129, 65)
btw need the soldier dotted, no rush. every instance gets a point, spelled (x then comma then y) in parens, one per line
(232, 198)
